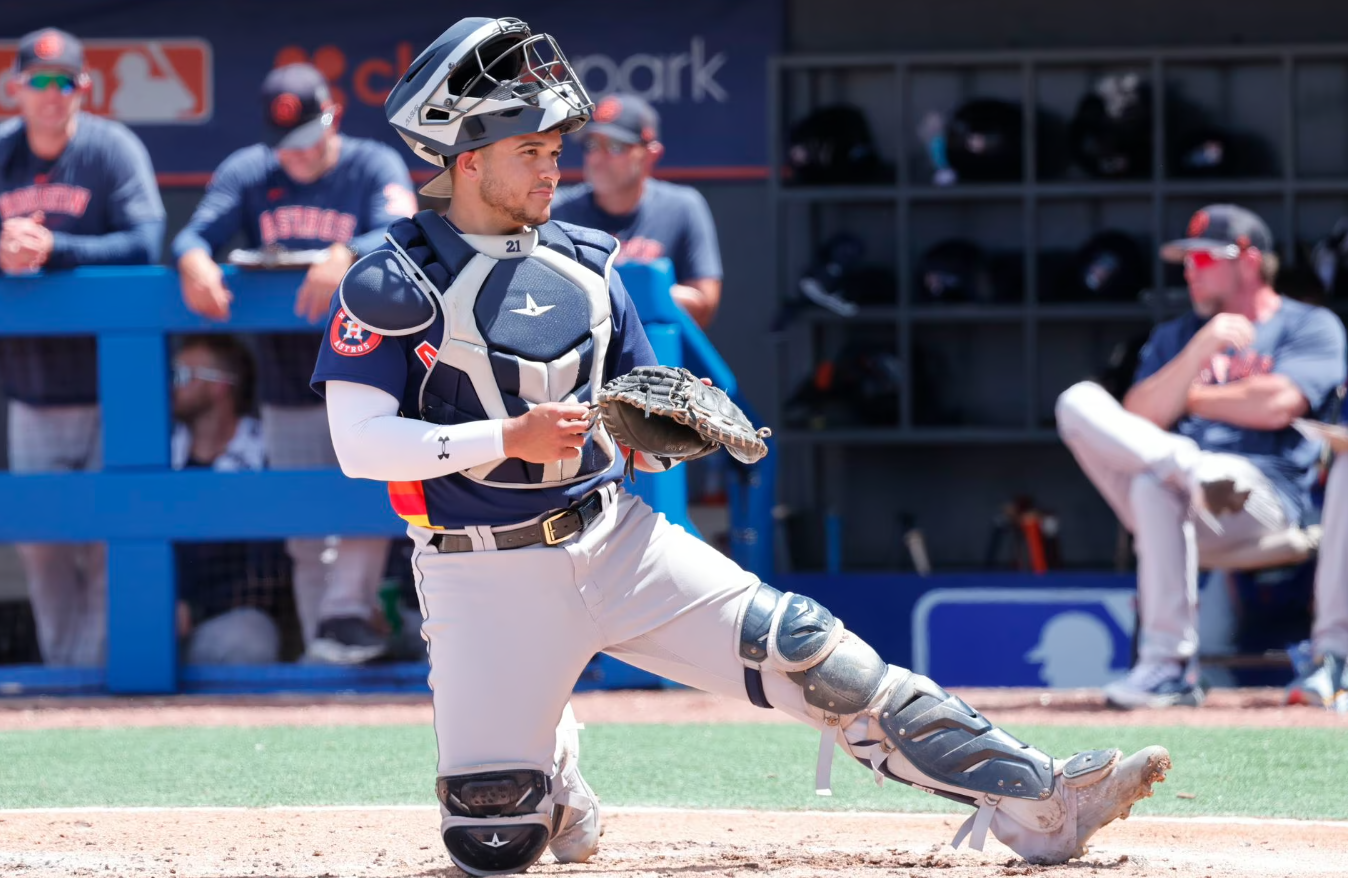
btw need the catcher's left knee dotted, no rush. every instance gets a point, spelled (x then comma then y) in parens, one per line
(838, 672)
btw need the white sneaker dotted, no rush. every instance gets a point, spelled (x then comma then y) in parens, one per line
(1093, 789)
(1326, 685)
(1155, 685)
(577, 832)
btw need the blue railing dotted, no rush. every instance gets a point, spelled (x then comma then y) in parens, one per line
(140, 507)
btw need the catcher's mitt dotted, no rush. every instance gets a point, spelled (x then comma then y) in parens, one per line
(670, 414)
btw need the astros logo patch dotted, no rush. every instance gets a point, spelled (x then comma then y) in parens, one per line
(349, 338)
(1199, 224)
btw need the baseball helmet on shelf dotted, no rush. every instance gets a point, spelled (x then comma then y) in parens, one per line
(985, 141)
(958, 270)
(1110, 267)
(834, 145)
(1111, 133)
(483, 80)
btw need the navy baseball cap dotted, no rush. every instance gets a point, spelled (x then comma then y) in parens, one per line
(49, 48)
(298, 107)
(626, 118)
(1222, 230)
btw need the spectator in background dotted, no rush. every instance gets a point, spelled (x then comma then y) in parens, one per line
(1201, 457)
(74, 190)
(306, 188)
(651, 218)
(225, 590)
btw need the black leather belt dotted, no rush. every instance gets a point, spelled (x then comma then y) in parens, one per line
(551, 531)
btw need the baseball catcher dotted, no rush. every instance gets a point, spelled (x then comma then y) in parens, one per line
(495, 337)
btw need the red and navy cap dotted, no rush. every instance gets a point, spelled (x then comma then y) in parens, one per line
(49, 48)
(297, 107)
(626, 118)
(1222, 230)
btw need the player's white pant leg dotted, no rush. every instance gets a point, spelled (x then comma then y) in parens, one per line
(508, 634)
(67, 582)
(1171, 544)
(1167, 570)
(309, 580)
(1108, 439)
(691, 614)
(92, 630)
(354, 577)
(297, 437)
(1330, 633)
(56, 594)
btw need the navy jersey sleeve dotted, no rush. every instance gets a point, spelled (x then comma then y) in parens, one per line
(1313, 356)
(1165, 342)
(220, 213)
(390, 197)
(135, 218)
(351, 352)
(631, 347)
(698, 256)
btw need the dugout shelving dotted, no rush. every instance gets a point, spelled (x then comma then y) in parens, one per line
(1291, 101)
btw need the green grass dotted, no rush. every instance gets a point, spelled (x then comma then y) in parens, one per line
(1250, 772)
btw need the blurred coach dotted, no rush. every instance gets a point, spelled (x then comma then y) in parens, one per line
(650, 218)
(74, 190)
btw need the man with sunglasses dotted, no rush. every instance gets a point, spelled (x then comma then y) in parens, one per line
(1201, 458)
(305, 188)
(75, 189)
(650, 218)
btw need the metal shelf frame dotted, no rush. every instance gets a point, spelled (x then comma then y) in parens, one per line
(906, 195)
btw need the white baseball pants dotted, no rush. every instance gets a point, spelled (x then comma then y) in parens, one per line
(67, 582)
(1150, 477)
(509, 632)
(1330, 633)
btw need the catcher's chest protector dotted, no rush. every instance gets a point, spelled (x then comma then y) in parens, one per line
(524, 319)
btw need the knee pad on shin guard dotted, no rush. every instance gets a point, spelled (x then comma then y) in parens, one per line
(500, 817)
(882, 708)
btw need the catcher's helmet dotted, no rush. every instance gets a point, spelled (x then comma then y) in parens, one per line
(483, 80)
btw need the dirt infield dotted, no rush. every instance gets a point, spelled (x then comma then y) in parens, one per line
(402, 842)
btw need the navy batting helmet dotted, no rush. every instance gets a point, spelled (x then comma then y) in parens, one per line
(483, 80)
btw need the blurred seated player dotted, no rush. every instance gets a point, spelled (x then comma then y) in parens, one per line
(1200, 459)
(650, 218)
(74, 190)
(306, 188)
(227, 592)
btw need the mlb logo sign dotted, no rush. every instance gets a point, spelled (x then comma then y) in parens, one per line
(1063, 638)
(136, 81)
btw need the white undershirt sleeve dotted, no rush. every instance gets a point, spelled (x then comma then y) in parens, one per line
(373, 442)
